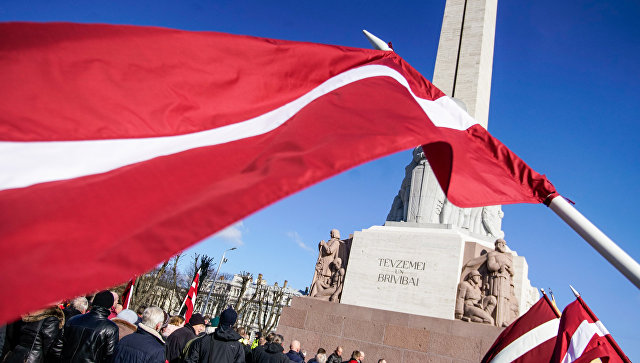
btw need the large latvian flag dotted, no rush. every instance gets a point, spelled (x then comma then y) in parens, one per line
(122, 145)
(189, 302)
(529, 339)
(582, 338)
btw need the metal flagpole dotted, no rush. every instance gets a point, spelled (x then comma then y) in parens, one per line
(213, 284)
(598, 240)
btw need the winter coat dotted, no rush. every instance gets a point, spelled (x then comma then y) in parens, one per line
(223, 346)
(295, 356)
(124, 327)
(177, 341)
(90, 337)
(170, 329)
(37, 337)
(145, 345)
(272, 353)
(334, 358)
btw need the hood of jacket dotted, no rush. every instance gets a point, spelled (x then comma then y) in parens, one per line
(45, 313)
(226, 334)
(122, 322)
(272, 348)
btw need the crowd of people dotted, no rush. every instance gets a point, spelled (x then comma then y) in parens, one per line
(102, 331)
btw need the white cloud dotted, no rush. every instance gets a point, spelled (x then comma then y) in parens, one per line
(295, 237)
(232, 234)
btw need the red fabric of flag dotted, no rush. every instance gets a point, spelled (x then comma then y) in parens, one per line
(121, 145)
(530, 338)
(583, 338)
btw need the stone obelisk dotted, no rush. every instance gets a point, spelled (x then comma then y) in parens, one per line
(463, 70)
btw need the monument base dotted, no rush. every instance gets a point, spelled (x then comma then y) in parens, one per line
(396, 337)
(415, 268)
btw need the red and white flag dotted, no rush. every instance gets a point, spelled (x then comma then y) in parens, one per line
(128, 292)
(190, 300)
(122, 145)
(530, 338)
(582, 338)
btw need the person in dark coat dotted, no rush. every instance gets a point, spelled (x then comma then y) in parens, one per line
(272, 353)
(91, 337)
(336, 356)
(294, 352)
(36, 338)
(145, 345)
(77, 306)
(223, 346)
(179, 338)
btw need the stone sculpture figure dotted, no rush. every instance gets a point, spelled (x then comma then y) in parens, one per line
(421, 200)
(495, 268)
(328, 252)
(500, 267)
(471, 305)
(333, 288)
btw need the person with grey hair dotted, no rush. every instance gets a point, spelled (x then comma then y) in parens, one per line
(77, 306)
(146, 344)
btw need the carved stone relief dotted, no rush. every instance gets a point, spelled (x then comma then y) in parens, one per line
(486, 294)
(328, 277)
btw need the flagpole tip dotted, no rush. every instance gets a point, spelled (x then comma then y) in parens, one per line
(542, 291)
(376, 42)
(574, 291)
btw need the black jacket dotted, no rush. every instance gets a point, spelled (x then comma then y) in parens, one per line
(177, 341)
(223, 346)
(36, 338)
(272, 353)
(143, 346)
(334, 358)
(90, 337)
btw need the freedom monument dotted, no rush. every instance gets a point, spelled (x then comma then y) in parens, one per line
(435, 281)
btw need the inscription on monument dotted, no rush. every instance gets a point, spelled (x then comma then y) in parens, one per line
(400, 267)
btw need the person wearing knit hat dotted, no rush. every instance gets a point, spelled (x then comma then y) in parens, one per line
(223, 346)
(228, 317)
(103, 299)
(179, 338)
(91, 337)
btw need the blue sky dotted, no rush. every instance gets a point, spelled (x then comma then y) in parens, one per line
(564, 98)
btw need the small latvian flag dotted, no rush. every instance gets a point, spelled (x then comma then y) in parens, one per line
(190, 299)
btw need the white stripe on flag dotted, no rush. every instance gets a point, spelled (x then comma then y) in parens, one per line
(28, 163)
(581, 338)
(528, 341)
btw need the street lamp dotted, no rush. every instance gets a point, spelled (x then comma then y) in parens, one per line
(222, 260)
